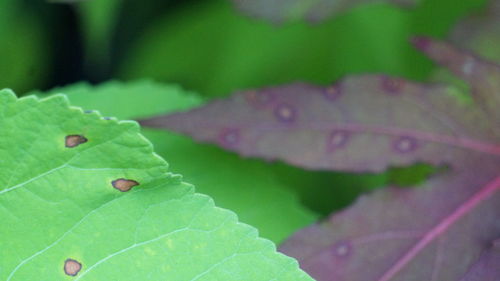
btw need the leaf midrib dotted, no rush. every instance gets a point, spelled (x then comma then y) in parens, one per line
(483, 194)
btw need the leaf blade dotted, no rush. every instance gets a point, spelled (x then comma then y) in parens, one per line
(398, 232)
(257, 193)
(364, 123)
(481, 75)
(68, 217)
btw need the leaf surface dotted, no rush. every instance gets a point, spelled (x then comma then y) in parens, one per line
(85, 198)
(436, 232)
(478, 32)
(364, 123)
(487, 267)
(482, 76)
(246, 187)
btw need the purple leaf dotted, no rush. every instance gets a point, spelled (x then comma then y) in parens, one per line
(442, 231)
(363, 123)
(479, 32)
(434, 233)
(312, 10)
(488, 266)
(482, 76)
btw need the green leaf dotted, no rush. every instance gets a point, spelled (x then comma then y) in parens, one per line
(131, 100)
(64, 177)
(98, 20)
(247, 187)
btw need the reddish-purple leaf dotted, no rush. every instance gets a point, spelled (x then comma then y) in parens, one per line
(479, 32)
(482, 76)
(488, 266)
(362, 123)
(312, 10)
(433, 233)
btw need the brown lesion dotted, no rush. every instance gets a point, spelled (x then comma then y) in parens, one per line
(72, 267)
(124, 185)
(75, 140)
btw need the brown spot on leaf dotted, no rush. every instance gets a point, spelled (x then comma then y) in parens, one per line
(75, 140)
(72, 267)
(124, 185)
(229, 137)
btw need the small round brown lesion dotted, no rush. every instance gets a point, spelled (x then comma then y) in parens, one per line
(124, 185)
(75, 140)
(72, 267)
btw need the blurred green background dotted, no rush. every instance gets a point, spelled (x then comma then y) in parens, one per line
(208, 47)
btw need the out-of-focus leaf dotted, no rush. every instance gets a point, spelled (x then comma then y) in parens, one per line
(312, 10)
(482, 76)
(24, 54)
(246, 187)
(359, 124)
(211, 48)
(477, 33)
(98, 21)
(85, 198)
(480, 32)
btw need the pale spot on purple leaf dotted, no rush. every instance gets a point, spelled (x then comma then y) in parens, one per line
(342, 249)
(337, 139)
(229, 137)
(468, 66)
(405, 144)
(285, 113)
